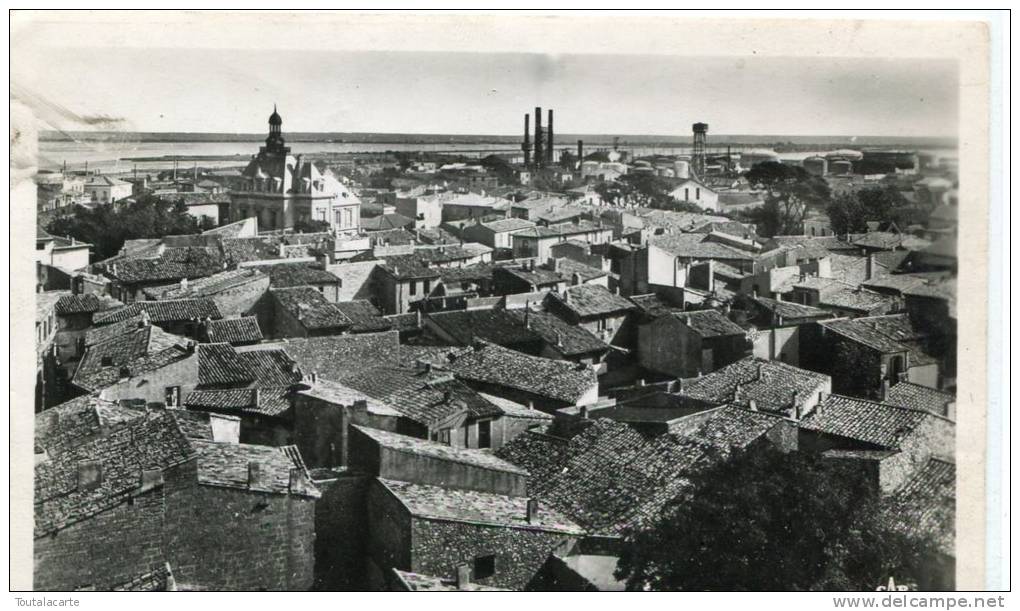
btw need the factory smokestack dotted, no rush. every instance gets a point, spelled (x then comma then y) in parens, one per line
(549, 145)
(580, 151)
(526, 147)
(539, 149)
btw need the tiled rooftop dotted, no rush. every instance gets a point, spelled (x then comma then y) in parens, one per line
(790, 310)
(494, 325)
(242, 330)
(79, 304)
(697, 246)
(176, 310)
(204, 287)
(587, 300)
(708, 323)
(340, 394)
(569, 340)
(365, 317)
(310, 308)
(863, 334)
(858, 419)
(424, 397)
(491, 364)
(337, 356)
(438, 503)
(286, 275)
(926, 504)
(770, 384)
(915, 396)
(433, 449)
(132, 353)
(66, 425)
(227, 465)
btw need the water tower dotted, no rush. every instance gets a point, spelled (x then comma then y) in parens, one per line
(698, 154)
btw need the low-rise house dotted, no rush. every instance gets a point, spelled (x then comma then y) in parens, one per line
(425, 210)
(866, 356)
(457, 206)
(72, 423)
(131, 276)
(300, 311)
(671, 257)
(63, 252)
(693, 192)
(235, 292)
(129, 498)
(263, 412)
(891, 442)
(687, 344)
(841, 298)
(530, 380)
(760, 384)
(530, 208)
(496, 234)
(527, 278)
(537, 241)
(103, 189)
(595, 308)
(783, 327)
(562, 340)
(400, 282)
(179, 316)
(433, 405)
(290, 275)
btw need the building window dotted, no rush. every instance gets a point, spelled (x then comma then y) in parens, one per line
(425, 287)
(485, 567)
(444, 436)
(172, 396)
(697, 193)
(414, 288)
(485, 434)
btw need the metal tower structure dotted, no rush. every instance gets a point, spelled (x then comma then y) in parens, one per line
(698, 153)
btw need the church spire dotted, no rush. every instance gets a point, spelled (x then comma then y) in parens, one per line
(275, 143)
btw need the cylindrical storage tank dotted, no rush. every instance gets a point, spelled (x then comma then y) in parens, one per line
(682, 169)
(850, 154)
(841, 167)
(665, 172)
(641, 163)
(642, 170)
(816, 165)
(617, 167)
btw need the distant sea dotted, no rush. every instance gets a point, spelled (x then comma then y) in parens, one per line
(114, 152)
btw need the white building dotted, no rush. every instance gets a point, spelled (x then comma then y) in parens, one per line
(694, 192)
(281, 189)
(106, 189)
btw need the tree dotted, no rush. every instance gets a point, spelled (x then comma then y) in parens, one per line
(765, 520)
(789, 192)
(106, 227)
(641, 189)
(311, 226)
(849, 212)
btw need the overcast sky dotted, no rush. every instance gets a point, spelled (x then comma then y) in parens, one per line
(162, 88)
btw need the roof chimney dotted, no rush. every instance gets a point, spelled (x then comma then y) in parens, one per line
(532, 511)
(255, 396)
(753, 405)
(583, 412)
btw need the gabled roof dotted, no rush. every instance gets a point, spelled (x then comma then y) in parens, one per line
(135, 352)
(234, 330)
(708, 323)
(271, 401)
(335, 356)
(78, 304)
(286, 275)
(385, 221)
(95, 335)
(437, 503)
(509, 224)
(770, 384)
(864, 334)
(424, 397)
(310, 308)
(175, 310)
(567, 339)
(495, 325)
(653, 306)
(586, 300)
(365, 317)
(491, 364)
(915, 396)
(789, 309)
(79, 420)
(204, 287)
(697, 246)
(173, 265)
(227, 465)
(440, 451)
(562, 229)
(870, 422)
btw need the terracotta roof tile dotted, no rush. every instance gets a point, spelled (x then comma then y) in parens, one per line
(176, 310)
(310, 308)
(242, 330)
(858, 419)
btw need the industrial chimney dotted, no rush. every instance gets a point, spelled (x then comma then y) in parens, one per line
(539, 149)
(549, 145)
(526, 147)
(580, 151)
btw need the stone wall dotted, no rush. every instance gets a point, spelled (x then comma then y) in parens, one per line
(240, 300)
(341, 533)
(440, 546)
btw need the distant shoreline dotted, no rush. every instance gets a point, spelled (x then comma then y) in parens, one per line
(565, 140)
